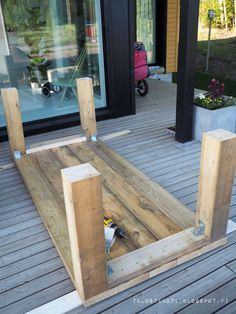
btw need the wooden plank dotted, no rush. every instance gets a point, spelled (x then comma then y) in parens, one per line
(18, 219)
(167, 203)
(215, 183)
(22, 243)
(232, 266)
(114, 135)
(17, 212)
(83, 200)
(150, 274)
(196, 290)
(168, 282)
(55, 143)
(13, 119)
(154, 255)
(16, 236)
(7, 166)
(62, 305)
(50, 207)
(229, 308)
(145, 211)
(172, 35)
(20, 226)
(138, 235)
(25, 252)
(26, 275)
(13, 269)
(214, 301)
(86, 106)
(31, 287)
(37, 298)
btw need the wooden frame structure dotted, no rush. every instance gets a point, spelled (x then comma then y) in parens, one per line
(74, 182)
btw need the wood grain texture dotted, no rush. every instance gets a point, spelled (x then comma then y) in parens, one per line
(154, 255)
(218, 163)
(50, 207)
(86, 106)
(138, 235)
(172, 35)
(84, 209)
(12, 112)
(163, 200)
(144, 210)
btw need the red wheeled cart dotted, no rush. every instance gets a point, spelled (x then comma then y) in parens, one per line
(141, 70)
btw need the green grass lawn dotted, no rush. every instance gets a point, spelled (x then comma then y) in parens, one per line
(222, 62)
(224, 49)
(203, 80)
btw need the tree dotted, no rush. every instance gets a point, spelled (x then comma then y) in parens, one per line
(225, 13)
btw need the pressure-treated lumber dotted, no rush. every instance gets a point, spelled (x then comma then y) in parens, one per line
(138, 235)
(13, 119)
(49, 205)
(163, 200)
(172, 36)
(86, 106)
(149, 274)
(55, 143)
(143, 209)
(83, 200)
(72, 139)
(218, 162)
(154, 255)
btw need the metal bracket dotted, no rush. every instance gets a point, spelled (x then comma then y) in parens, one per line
(109, 270)
(94, 138)
(17, 155)
(200, 229)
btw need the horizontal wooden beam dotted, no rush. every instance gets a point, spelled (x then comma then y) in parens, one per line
(55, 143)
(154, 255)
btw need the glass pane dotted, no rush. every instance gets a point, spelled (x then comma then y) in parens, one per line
(45, 45)
(146, 21)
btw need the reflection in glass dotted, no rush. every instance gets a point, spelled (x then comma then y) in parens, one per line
(145, 21)
(47, 45)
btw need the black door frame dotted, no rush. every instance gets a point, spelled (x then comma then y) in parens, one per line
(189, 12)
(118, 25)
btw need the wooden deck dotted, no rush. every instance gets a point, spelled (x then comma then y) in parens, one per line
(31, 271)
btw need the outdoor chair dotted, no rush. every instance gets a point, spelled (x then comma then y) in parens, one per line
(70, 74)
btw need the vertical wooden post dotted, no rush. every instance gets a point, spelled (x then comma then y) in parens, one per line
(86, 106)
(13, 119)
(84, 208)
(218, 162)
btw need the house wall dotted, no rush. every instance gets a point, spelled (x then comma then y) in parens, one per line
(172, 38)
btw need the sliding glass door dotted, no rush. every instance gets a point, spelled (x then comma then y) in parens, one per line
(46, 45)
(146, 26)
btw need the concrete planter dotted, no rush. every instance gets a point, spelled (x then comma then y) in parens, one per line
(205, 120)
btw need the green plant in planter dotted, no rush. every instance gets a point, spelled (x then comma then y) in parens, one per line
(214, 99)
(38, 69)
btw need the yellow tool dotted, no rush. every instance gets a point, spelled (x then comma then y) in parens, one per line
(109, 223)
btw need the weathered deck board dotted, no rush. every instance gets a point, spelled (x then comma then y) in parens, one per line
(154, 114)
